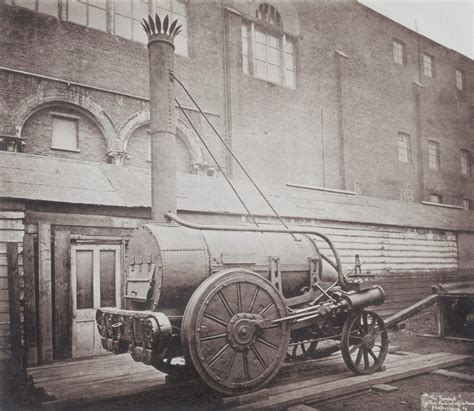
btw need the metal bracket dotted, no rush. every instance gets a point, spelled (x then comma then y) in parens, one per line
(275, 273)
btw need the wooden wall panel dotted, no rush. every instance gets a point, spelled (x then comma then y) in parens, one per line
(16, 360)
(45, 318)
(62, 295)
(11, 232)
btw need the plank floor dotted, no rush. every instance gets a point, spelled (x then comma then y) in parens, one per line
(88, 382)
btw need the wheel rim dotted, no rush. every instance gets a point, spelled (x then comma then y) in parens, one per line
(364, 342)
(222, 337)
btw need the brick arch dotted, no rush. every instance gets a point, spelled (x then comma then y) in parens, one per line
(90, 108)
(287, 10)
(183, 131)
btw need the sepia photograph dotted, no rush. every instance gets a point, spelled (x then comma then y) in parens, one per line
(237, 205)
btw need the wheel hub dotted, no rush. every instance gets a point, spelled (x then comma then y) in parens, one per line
(242, 331)
(369, 341)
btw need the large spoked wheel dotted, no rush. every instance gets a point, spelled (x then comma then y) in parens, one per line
(364, 342)
(226, 334)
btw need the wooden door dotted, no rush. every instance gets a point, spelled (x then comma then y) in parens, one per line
(95, 272)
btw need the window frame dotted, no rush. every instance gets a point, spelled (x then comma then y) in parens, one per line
(249, 60)
(36, 9)
(67, 116)
(429, 58)
(132, 19)
(395, 56)
(462, 77)
(400, 135)
(88, 5)
(466, 169)
(432, 144)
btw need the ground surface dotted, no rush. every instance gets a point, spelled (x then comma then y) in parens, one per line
(21, 396)
(410, 390)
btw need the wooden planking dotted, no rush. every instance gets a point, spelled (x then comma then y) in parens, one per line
(45, 319)
(425, 364)
(62, 296)
(15, 319)
(31, 315)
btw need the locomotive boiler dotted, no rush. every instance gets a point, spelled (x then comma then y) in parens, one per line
(230, 304)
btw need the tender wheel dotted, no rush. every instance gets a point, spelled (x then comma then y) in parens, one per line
(223, 334)
(364, 342)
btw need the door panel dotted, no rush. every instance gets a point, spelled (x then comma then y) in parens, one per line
(95, 271)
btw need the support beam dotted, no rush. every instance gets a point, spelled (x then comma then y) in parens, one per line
(31, 314)
(62, 296)
(45, 301)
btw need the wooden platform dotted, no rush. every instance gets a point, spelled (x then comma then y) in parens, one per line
(108, 379)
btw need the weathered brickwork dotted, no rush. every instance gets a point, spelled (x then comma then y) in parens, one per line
(338, 128)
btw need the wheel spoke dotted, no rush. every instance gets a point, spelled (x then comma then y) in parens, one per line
(218, 355)
(364, 322)
(259, 358)
(246, 365)
(373, 355)
(359, 357)
(231, 365)
(213, 337)
(355, 347)
(366, 359)
(254, 297)
(361, 330)
(239, 298)
(226, 304)
(267, 343)
(266, 308)
(215, 319)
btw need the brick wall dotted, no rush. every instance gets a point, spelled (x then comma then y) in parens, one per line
(338, 128)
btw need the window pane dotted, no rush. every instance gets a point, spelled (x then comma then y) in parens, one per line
(181, 44)
(107, 278)
(101, 4)
(123, 26)
(290, 79)
(49, 7)
(29, 4)
(273, 41)
(64, 133)
(84, 275)
(179, 8)
(138, 32)
(289, 62)
(140, 10)
(289, 47)
(123, 7)
(260, 37)
(97, 18)
(261, 71)
(261, 52)
(77, 12)
(274, 73)
(164, 4)
(274, 56)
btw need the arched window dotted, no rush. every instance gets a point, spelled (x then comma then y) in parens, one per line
(269, 14)
(267, 52)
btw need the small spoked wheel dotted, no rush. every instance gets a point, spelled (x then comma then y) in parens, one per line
(364, 342)
(227, 332)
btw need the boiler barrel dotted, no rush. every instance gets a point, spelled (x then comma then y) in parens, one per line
(166, 263)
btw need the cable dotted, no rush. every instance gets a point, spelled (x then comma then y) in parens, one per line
(215, 161)
(232, 154)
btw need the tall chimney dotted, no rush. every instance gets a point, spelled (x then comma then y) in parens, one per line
(162, 116)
